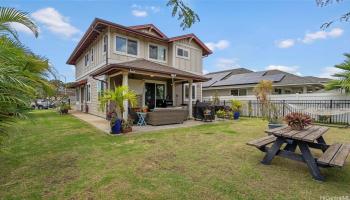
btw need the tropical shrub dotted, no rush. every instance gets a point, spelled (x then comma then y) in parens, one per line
(262, 91)
(220, 113)
(236, 105)
(118, 96)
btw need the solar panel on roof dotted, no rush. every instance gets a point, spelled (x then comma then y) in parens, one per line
(214, 78)
(251, 78)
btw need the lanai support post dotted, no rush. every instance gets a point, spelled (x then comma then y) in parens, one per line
(126, 103)
(190, 99)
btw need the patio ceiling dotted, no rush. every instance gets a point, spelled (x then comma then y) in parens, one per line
(143, 66)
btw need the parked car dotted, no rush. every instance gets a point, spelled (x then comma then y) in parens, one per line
(42, 104)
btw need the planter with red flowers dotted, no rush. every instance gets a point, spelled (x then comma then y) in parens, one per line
(298, 121)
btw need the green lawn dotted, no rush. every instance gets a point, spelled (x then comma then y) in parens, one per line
(61, 157)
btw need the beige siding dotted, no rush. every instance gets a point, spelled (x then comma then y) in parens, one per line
(99, 59)
(194, 64)
(142, 48)
(93, 105)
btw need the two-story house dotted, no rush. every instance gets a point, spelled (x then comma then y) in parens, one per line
(161, 70)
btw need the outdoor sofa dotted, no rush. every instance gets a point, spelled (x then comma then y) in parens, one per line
(164, 116)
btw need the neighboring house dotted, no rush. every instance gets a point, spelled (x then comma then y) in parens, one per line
(241, 82)
(161, 70)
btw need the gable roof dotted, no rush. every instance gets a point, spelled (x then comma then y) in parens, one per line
(276, 76)
(98, 25)
(149, 26)
(206, 50)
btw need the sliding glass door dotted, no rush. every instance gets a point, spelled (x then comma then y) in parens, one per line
(154, 95)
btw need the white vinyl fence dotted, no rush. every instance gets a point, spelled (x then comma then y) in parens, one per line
(333, 108)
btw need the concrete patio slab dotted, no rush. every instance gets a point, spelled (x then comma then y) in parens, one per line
(103, 124)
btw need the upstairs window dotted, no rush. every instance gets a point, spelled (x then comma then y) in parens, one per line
(157, 52)
(86, 59)
(126, 46)
(105, 41)
(182, 53)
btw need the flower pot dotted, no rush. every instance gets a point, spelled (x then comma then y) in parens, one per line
(271, 126)
(236, 115)
(297, 127)
(64, 111)
(127, 130)
(117, 126)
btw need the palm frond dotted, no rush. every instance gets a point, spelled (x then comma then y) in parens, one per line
(10, 15)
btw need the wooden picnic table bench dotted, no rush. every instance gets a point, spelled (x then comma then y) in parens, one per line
(311, 137)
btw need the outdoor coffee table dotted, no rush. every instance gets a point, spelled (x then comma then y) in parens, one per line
(142, 117)
(310, 137)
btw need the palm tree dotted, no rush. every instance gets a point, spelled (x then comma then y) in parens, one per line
(343, 78)
(22, 73)
(262, 91)
(118, 96)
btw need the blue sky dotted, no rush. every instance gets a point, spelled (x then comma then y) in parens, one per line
(259, 34)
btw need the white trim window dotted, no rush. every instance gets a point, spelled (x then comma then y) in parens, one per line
(86, 59)
(187, 91)
(101, 85)
(126, 46)
(105, 41)
(182, 53)
(239, 92)
(157, 52)
(88, 93)
(92, 55)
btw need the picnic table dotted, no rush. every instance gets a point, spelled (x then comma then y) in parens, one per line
(285, 140)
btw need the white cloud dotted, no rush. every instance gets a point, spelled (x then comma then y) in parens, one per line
(285, 43)
(320, 35)
(289, 69)
(327, 72)
(221, 44)
(311, 37)
(143, 11)
(21, 28)
(226, 63)
(139, 13)
(55, 22)
(205, 71)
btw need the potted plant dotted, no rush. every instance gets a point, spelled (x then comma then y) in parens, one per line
(229, 114)
(236, 107)
(220, 114)
(115, 123)
(275, 120)
(126, 126)
(117, 97)
(298, 121)
(64, 107)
